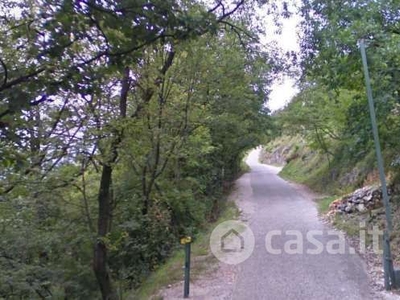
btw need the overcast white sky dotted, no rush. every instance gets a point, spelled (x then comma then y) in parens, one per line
(283, 92)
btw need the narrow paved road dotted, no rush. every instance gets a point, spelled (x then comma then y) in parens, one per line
(275, 204)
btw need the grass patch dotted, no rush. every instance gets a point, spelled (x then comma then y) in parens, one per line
(244, 167)
(323, 204)
(293, 172)
(172, 271)
(347, 224)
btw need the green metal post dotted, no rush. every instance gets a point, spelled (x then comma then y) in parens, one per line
(187, 271)
(388, 263)
(390, 278)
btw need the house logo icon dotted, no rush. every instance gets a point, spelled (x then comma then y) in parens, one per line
(232, 242)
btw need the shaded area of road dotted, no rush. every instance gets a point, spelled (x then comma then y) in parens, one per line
(278, 205)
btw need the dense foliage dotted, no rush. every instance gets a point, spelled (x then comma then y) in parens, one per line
(120, 121)
(331, 111)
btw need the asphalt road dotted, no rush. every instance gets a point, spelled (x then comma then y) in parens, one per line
(279, 205)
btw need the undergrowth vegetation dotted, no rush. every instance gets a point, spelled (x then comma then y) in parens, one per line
(202, 260)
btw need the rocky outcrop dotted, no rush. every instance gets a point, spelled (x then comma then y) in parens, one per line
(276, 157)
(361, 200)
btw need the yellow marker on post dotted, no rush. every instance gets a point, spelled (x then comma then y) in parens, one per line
(186, 240)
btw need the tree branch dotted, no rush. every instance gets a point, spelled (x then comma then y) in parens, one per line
(21, 79)
(228, 14)
(5, 73)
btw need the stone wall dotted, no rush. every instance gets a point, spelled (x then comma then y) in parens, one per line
(366, 198)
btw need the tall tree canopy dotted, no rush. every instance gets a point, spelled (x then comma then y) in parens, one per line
(331, 56)
(331, 110)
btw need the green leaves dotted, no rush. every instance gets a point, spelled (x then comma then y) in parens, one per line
(332, 60)
(154, 93)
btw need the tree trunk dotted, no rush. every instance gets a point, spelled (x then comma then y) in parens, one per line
(105, 198)
(100, 266)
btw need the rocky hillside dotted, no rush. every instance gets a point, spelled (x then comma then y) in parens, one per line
(321, 172)
(280, 151)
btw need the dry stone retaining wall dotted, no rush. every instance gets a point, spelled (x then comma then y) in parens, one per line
(366, 198)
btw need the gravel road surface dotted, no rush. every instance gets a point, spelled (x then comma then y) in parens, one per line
(278, 206)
